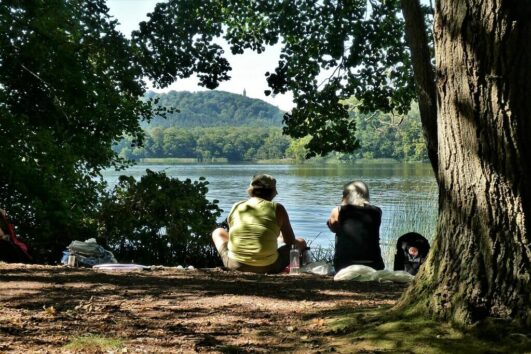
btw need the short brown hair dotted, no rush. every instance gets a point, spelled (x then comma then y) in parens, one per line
(263, 186)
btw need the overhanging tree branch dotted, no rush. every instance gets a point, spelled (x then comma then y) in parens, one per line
(416, 37)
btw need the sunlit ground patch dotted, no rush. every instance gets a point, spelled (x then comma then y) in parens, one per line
(385, 331)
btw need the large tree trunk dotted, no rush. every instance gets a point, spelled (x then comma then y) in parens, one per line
(479, 266)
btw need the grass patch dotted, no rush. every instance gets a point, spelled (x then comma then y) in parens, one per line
(410, 215)
(322, 254)
(94, 343)
(385, 331)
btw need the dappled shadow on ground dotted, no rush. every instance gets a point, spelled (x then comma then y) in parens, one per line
(169, 310)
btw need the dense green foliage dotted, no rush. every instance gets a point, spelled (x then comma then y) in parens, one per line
(160, 220)
(381, 136)
(203, 144)
(68, 90)
(360, 44)
(70, 87)
(214, 109)
(384, 135)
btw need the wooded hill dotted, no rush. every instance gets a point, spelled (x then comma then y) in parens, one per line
(199, 131)
(214, 109)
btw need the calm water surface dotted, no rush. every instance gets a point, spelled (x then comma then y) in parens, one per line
(406, 193)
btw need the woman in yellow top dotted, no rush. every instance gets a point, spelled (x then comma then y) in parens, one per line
(250, 245)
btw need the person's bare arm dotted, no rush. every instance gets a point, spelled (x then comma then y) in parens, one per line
(333, 220)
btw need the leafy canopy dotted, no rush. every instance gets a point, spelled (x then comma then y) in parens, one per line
(359, 43)
(69, 88)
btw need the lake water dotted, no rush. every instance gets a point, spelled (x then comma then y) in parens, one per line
(406, 193)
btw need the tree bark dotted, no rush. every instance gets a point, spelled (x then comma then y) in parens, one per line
(479, 266)
(423, 72)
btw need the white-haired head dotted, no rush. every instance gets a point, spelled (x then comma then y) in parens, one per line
(356, 193)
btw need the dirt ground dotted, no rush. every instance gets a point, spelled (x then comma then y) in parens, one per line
(166, 310)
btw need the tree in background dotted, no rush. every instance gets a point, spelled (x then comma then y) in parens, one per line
(70, 87)
(297, 149)
(160, 220)
(388, 135)
(68, 90)
(238, 144)
(474, 100)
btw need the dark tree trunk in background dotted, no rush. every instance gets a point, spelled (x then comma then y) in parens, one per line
(479, 265)
(417, 39)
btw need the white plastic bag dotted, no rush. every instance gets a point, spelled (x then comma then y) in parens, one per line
(356, 272)
(364, 273)
(398, 276)
(319, 268)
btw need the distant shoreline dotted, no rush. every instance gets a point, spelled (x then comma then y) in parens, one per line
(222, 160)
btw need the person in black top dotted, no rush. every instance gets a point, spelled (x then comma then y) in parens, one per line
(356, 224)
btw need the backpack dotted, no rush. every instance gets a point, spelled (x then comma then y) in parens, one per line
(411, 251)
